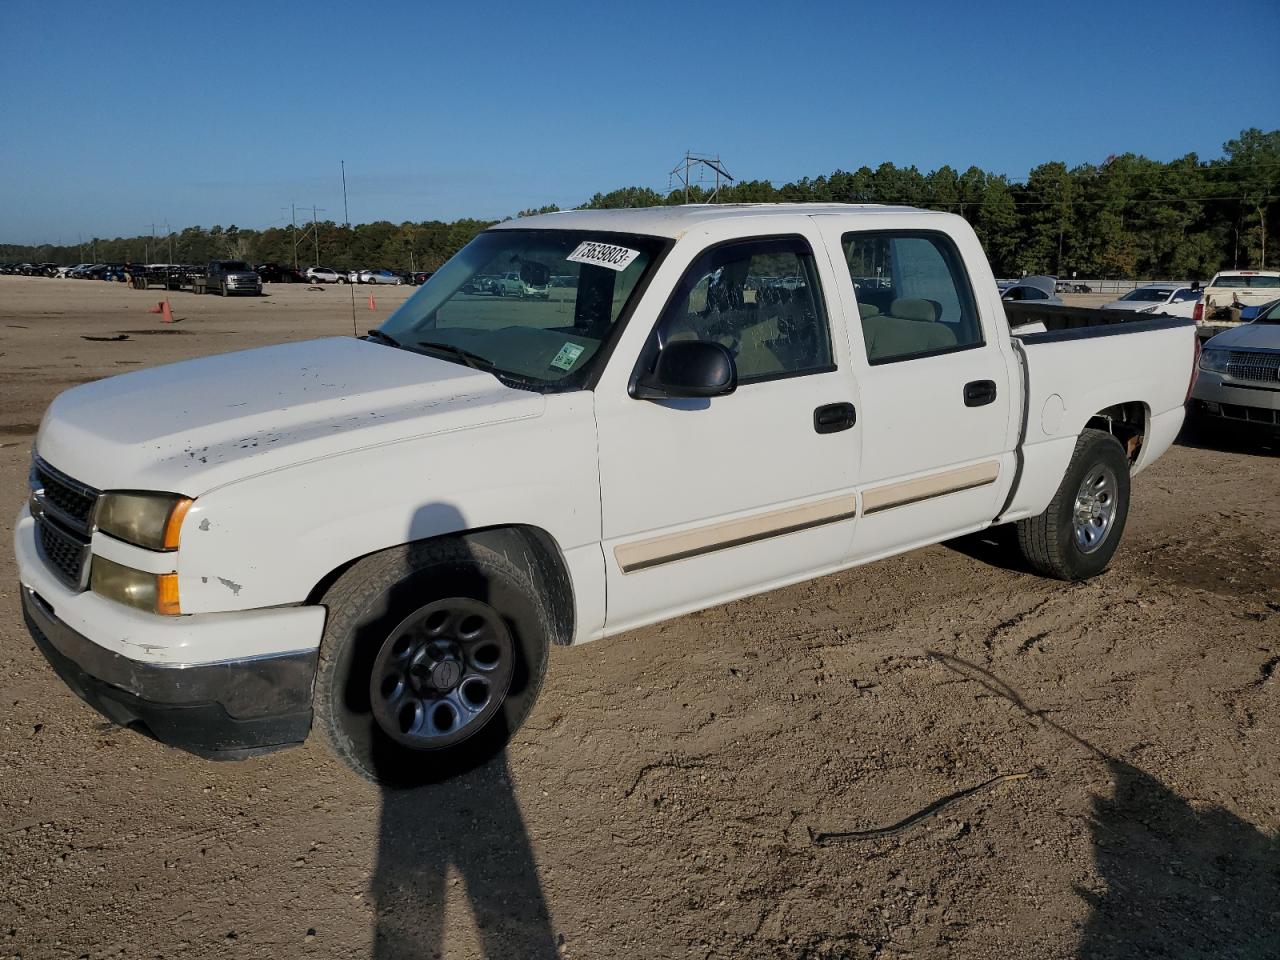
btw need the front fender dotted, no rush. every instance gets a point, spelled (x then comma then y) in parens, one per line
(270, 539)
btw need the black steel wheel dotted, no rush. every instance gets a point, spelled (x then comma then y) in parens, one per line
(433, 655)
(442, 673)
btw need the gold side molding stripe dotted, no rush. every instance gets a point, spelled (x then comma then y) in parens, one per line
(733, 533)
(892, 495)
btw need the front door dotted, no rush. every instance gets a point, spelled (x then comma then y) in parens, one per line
(705, 500)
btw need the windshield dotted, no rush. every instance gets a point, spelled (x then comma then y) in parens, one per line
(235, 265)
(1146, 295)
(494, 301)
(1270, 313)
(1255, 282)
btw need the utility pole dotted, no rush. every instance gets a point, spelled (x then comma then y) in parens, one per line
(169, 230)
(691, 160)
(346, 217)
(315, 233)
(294, 214)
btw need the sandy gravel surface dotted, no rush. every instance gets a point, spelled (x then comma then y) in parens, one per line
(659, 801)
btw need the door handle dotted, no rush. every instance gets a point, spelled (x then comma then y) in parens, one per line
(834, 417)
(978, 393)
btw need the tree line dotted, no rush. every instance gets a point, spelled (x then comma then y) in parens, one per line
(1128, 216)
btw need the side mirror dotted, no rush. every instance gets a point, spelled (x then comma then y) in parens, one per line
(689, 368)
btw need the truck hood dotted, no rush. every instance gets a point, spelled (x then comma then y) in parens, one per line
(190, 427)
(1247, 336)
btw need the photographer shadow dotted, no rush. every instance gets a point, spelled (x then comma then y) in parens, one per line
(1182, 880)
(462, 835)
(472, 827)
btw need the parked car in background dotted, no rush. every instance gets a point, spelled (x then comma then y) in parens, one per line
(1155, 295)
(381, 276)
(1039, 289)
(1071, 286)
(67, 272)
(227, 277)
(278, 273)
(420, 277)
(1239, 382)
(1232, 290)
(325, 275)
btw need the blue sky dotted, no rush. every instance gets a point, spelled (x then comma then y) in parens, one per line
(115, 116)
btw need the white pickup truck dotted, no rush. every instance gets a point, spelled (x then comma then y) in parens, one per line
(381, 537)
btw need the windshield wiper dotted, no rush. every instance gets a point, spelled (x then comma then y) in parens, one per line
(472, 360)
(381, 337)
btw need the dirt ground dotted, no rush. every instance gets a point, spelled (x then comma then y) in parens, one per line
(660, 799)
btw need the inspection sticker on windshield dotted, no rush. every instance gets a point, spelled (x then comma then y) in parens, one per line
(603, 255)
(567, 356)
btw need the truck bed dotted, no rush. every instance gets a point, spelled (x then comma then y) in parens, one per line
(1071, 323)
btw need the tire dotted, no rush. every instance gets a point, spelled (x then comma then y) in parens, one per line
(1060, 543)
(391, 598)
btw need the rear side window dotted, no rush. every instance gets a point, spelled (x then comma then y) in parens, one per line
(760, 298)
(913, 295)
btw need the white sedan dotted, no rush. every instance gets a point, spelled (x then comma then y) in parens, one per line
(1154, 296)
(325, 275)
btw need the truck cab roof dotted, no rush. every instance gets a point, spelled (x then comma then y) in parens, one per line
(674, 221)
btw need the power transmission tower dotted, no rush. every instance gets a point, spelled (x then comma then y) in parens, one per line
(702, 164)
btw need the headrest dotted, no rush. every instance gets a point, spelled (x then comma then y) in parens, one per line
(913, 308)
(867, 310)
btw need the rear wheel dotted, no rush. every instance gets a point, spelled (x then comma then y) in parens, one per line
(1077, 535)
(433, 655)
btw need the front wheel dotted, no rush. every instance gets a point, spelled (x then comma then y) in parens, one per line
(1077, 535)
(432, 657)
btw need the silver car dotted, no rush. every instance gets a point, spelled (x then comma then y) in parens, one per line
(1034, 289)
(325, 275)
(1239, 377)
(380, 276)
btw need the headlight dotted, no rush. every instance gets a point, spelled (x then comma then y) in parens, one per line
(151, 520)
(152, 592)
(1215, 361)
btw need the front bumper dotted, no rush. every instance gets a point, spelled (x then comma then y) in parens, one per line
(222, 710)
(1236, 403)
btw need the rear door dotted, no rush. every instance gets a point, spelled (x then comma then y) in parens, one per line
(940, 401)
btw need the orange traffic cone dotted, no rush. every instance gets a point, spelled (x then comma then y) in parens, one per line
(166, 313)
(158, 308)
(372, 304)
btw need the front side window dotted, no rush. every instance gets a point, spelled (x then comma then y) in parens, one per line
(913, 295)
(1146, 295)
(759, 298)
(493, 305)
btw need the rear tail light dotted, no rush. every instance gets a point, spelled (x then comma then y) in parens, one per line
(1195, 369)
(1198, 317)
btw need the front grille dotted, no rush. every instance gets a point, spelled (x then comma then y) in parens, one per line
(1254, 365)
(63, 511)
(1261, 415)
(64, 553)
(69, 497)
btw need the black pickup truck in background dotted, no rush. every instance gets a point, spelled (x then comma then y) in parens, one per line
(227, 277)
